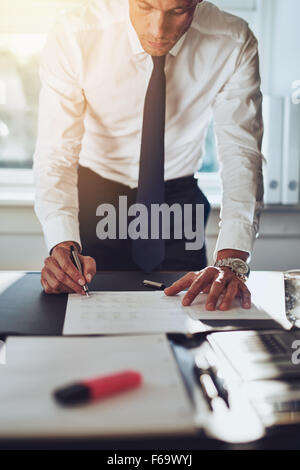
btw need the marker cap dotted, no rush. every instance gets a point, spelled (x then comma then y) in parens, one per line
(72, 394)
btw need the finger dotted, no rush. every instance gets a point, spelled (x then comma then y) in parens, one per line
(46, 286)
(230, 294)
(63, 258)
(198, 284)
(88, 266)
(56, 286)
(67, 284)
(216, 290)
(246, 295)
(52, 283)
(206, 289)
(44, 282)
(181, 284)
(50, 290)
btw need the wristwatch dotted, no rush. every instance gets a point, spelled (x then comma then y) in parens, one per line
(240, 268)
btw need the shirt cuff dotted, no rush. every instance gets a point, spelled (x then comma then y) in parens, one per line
(61, 229)
(236, 235)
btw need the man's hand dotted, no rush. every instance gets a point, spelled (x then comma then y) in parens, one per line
(221, 285)
(59, 274)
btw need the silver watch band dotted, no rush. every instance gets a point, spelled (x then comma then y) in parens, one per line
(239, 267)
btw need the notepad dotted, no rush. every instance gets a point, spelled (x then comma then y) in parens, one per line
(154, 312)
(37, 366)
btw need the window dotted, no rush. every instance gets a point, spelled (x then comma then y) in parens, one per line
(19, 88)
(23, 31)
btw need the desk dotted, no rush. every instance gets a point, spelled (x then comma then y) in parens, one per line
(26, 310)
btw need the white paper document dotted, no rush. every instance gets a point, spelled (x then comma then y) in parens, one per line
(37, 366)
(154, 312)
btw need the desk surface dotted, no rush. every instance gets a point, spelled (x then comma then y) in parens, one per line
(26, 310)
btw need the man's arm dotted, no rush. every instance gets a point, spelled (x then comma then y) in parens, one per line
(60, 131)
(239, 129)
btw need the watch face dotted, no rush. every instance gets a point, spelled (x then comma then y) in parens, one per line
(240, 266)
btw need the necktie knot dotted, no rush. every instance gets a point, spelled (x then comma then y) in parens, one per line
(159, 62)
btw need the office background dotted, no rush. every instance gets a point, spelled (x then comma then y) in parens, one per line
(23, 28)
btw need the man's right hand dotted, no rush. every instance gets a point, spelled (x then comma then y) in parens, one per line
(59, 275)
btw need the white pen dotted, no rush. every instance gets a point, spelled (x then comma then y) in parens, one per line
(77, 263)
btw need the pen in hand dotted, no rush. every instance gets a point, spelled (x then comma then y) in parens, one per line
(76, 261)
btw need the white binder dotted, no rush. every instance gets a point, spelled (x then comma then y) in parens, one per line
(272, 147)
(291, 153)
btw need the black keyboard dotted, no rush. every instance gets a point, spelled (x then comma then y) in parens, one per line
(292, 406)
(268, 343)
(273, 345)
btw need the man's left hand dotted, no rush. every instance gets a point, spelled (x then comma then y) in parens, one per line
(221, 284)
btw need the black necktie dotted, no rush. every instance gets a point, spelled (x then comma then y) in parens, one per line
(149, 253)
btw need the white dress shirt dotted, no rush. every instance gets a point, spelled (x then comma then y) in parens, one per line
(94, 76)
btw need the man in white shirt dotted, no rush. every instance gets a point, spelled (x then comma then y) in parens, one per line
(95, 71)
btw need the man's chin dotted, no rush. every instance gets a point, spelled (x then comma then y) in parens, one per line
(156, 51)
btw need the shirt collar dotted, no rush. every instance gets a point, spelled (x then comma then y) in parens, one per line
(137, 48)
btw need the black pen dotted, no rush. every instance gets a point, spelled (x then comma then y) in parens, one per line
(75, 259)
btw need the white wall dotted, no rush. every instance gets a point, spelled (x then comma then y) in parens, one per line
(276, 23)
(284, 65)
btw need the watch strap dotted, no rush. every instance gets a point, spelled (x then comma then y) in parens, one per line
(242, 274)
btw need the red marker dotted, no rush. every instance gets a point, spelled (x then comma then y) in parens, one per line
(97, 388)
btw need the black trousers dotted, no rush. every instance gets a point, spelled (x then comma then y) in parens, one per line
(115, 255)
